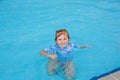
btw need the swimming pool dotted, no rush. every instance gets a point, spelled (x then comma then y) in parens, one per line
(27, 26)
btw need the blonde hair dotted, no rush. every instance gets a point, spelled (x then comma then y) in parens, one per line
(60, 32)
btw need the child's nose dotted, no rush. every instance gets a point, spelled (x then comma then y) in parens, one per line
(62, 41)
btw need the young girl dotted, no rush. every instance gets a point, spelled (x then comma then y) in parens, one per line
(61, 55)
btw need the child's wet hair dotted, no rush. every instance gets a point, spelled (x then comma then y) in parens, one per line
(60, 32)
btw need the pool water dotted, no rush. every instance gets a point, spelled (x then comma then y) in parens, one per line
(28, 26)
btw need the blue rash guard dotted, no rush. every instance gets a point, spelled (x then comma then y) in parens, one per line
(64, 54)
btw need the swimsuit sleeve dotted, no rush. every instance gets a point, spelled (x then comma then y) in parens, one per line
(50, 50)
(75, 45)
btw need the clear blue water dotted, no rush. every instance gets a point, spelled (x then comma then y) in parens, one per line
(28, 26)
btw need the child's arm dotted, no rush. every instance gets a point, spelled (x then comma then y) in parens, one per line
(86, 46)
(44, 53)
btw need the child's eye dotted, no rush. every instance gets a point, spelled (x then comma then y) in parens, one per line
(59, 39)
(64, 38)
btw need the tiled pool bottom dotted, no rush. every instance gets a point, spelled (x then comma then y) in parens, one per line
(112, 75)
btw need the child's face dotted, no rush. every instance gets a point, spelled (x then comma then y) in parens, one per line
(62, 40)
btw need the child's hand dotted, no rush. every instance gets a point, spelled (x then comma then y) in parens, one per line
(53, 56)
(88, 46)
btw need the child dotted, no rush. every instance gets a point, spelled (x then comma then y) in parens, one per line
(61, 55)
